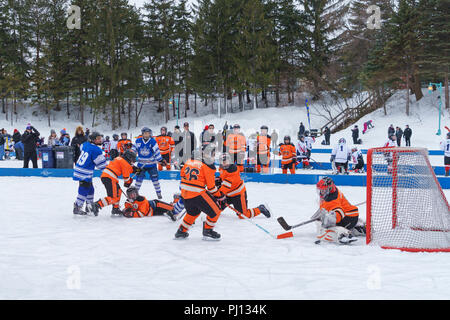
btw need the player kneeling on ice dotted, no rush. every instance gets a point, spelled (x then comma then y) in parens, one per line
(232, 186)
(138, 206)
(358, 160)
(120, 166)
(339, 220)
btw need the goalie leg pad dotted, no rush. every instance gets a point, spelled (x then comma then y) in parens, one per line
(338, 235)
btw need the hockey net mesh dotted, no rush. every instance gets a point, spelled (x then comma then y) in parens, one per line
(406, 207)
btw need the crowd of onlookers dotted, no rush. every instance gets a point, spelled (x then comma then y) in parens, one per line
(26, 144)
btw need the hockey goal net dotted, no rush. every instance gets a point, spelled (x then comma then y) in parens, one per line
(406, 207)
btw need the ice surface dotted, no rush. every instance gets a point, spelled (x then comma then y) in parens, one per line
(48, 253)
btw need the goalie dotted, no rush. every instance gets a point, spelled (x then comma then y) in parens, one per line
(338, 220)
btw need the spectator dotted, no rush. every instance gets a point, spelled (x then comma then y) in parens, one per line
(355, 134)
(399, 135)
(274, 138)
(77, 141)
(2, 144)
(29, 139)
(301, 130)
(16, 136)
(18, 145)
(113, 151)
(391, 131)
(189, 143)
(64, 140)
(18, 148)
(367, 125)
(208, 135)
(53, 139)
(327, 134)
(176, 136)
(8, 143)
(407, 133)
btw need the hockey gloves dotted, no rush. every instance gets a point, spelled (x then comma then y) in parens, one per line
(128, 183)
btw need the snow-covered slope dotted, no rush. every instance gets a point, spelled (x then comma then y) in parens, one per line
(423, 121)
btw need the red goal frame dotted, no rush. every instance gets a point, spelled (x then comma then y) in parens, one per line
(396, 151)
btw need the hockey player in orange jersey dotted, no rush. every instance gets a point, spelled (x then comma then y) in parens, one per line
(120, 166)
(236, 146)
(339, 220)
(200, 193)
(263, 142)
(166, 146)
(138, 206)
(124, 143)
(233, 187)
(288, 155)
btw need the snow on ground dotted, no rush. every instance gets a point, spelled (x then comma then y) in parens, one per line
(47, 253)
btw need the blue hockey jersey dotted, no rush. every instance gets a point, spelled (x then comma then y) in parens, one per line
(91, 156)
(148, 152)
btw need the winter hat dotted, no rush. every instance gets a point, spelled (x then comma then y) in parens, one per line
(63, 131)
(52, 131)
(206, 127)
(28, 126)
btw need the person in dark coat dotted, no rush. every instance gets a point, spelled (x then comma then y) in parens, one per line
(407, 133)
(327, 134)
(188, 142)
(29, 139)
(16, 136)
(391, 131)
(355, 134)
(399, 135)
(77, 141)
(301, 130)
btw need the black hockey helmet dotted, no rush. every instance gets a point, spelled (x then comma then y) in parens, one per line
(306, 133)
(287, 138)
(115, 136)
(124, 134)
(130, 156)
(264, 127)
(236, 126)
(132, 193)
(93, 136)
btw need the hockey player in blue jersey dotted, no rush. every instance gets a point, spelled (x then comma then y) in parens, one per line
(148, 157)
(91, 157)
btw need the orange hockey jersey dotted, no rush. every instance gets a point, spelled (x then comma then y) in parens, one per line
(232, 184)
(116, 168)
(287, 153)
(263, 144)
(337, 202)
(165, 144)
(196, 178)
(235, 143)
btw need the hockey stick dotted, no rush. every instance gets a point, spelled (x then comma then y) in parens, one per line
(250, 220)
(288, 227)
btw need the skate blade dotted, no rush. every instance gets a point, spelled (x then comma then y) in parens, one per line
(210, 239)
(180, 238)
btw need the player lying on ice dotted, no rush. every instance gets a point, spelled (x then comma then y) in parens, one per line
(339, 220)
(137, 206)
